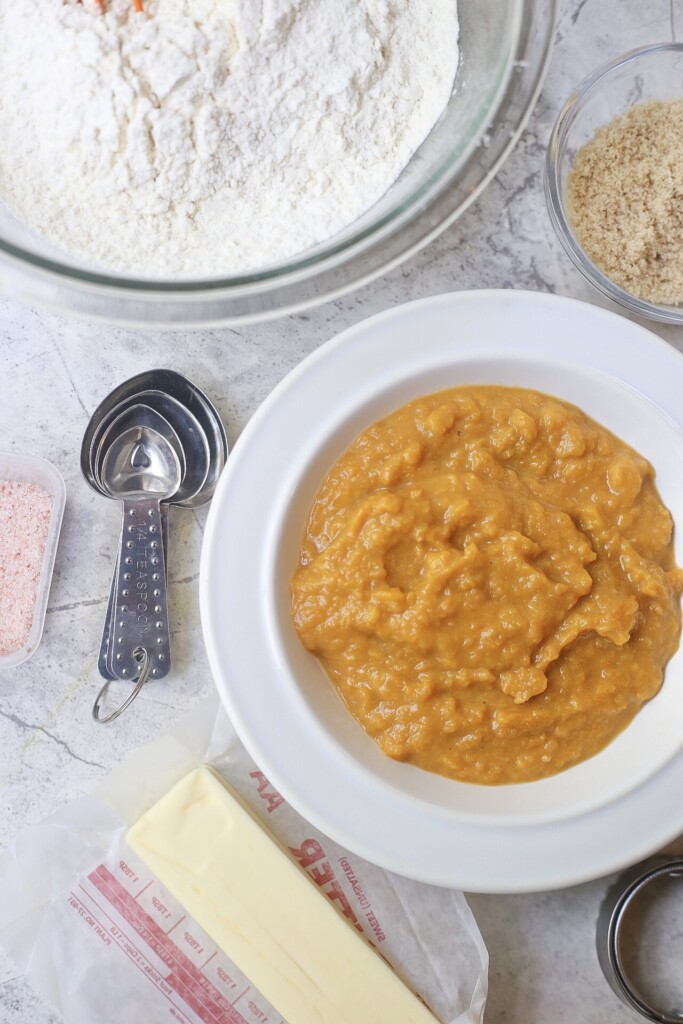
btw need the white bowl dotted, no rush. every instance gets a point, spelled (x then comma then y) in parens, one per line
(285, 709)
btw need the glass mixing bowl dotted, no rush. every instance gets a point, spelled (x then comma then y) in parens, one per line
(504, 51)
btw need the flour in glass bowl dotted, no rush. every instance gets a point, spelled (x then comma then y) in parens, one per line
(205, 137)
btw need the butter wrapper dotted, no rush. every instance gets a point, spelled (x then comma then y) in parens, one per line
(103, 941)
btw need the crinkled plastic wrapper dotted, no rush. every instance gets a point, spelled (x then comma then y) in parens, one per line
(97, 934)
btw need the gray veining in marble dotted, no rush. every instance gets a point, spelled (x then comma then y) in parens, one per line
(53, 373)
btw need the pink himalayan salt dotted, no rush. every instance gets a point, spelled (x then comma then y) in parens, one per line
(25, 511)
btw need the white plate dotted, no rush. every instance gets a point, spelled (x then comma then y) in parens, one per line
(580, 824)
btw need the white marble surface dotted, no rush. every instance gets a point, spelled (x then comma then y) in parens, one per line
(53, 373)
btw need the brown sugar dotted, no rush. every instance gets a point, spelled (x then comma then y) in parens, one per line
(625, 200)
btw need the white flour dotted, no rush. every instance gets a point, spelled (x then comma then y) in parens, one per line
(209, 136)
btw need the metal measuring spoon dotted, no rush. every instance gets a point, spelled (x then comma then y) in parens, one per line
(184, 391)
(135, 414)
(131, 414)
(191, 438)
(147, 387)
(141, 469)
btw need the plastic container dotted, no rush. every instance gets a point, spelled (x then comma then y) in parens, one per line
(650, 73)
(32, 469)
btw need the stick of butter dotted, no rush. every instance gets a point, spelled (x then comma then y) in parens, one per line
(261, 908)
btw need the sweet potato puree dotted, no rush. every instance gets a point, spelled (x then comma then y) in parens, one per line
(487, 577)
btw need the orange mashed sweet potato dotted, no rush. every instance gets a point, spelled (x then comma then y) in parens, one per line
(487, 577)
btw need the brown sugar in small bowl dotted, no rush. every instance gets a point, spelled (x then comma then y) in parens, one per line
(652, 73)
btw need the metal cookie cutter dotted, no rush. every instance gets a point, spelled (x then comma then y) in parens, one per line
(609, 933)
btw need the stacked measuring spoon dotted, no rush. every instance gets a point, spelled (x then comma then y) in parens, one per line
(155, 441)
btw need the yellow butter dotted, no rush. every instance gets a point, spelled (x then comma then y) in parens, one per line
(261, 908)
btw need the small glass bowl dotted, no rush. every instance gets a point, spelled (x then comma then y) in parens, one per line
(649, 73)
(32, 469)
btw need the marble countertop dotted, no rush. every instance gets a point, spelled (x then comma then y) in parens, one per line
(54, 372)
